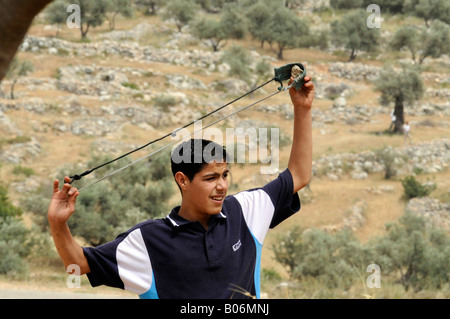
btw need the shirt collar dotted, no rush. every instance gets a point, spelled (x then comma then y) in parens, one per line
(176, 220)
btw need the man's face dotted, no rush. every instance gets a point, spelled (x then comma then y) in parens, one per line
(204, 195)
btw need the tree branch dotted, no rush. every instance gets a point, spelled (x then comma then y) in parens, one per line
(15, 19)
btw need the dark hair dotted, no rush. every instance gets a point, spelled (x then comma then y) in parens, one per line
(191, 156)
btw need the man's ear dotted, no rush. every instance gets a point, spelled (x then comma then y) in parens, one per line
(182, 180)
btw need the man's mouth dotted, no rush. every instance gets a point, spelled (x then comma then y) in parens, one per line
(217, 198)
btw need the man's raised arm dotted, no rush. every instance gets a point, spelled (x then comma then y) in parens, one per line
(60, 209)
(300, 160)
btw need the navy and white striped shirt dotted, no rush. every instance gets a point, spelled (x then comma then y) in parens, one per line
(176, 258)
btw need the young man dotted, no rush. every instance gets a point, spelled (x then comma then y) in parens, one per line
(209, 246)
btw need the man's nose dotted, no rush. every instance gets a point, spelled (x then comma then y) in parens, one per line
(222, 184)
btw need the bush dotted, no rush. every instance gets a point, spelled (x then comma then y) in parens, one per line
(415, 255)
(239, 60)
(130, 85)
(13, 237)
(410, 253)
(386, 156)
(27, 171)
(333, 259)
(113, 205)
(412, 188)
(164, 102)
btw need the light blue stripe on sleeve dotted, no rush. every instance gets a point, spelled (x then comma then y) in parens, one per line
(258, 268)
(151, 293)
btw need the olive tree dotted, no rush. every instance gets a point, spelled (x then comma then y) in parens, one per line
(17, 69)
(352, 33)
(422, 43)
(401, 87)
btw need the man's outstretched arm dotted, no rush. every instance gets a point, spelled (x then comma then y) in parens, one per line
(61, 207)
(300, 160)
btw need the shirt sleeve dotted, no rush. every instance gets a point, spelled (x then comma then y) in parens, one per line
(264, 208)
(285, 202)
(123, 263)
(103, 264)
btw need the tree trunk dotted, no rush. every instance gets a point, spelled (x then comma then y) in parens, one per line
(84, 31)
(280, 54)
(13, 84)
(112, 21)
(398, 112)
(352, 56)
(15, 19)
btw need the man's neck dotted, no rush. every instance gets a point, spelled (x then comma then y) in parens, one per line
(187, 214)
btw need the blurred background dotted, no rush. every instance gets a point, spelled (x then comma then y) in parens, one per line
(136, 70)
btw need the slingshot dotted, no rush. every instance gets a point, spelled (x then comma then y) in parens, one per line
(283, 73)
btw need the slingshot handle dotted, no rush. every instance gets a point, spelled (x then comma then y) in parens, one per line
(283, 73)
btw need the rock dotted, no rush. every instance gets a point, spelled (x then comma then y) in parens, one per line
(339, 102)
(21, 152)
(354, 71)
(7, 126)
(184, 82)
(52, 51)
(386, 188)
(30, 185)
(436, 214)
(354, 219)
(93, 126)
(428, 157)
(231, 87)
(359, 175)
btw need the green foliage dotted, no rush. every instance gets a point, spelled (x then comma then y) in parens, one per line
(116, 204)
(286, 30)
(56, 13)
(423, 43)
(13, 237)
(164, 101)
(391, 6)
(149, 7)
(411, 253)
(239, 61)
(412, 188)
(182, 11)
(414, 254)
(386, 156)
(345, 4)
(351, 31)
(231, 25)
(7, 209)
(436, 40)
(14, 140)
(116, 7)
(429, 10)
(17, 69)
(27, 171)
(233, 21)
(333, 260)
(211, 30)
(105, 210)
(401, 87)
(406, 86)
(130, 85)
(258, 15)
(93, 13)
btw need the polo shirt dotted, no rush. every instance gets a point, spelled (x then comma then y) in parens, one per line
(175, 258)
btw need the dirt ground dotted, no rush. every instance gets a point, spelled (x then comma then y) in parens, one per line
(36, 294)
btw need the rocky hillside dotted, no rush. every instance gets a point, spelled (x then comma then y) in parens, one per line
(123, 88)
